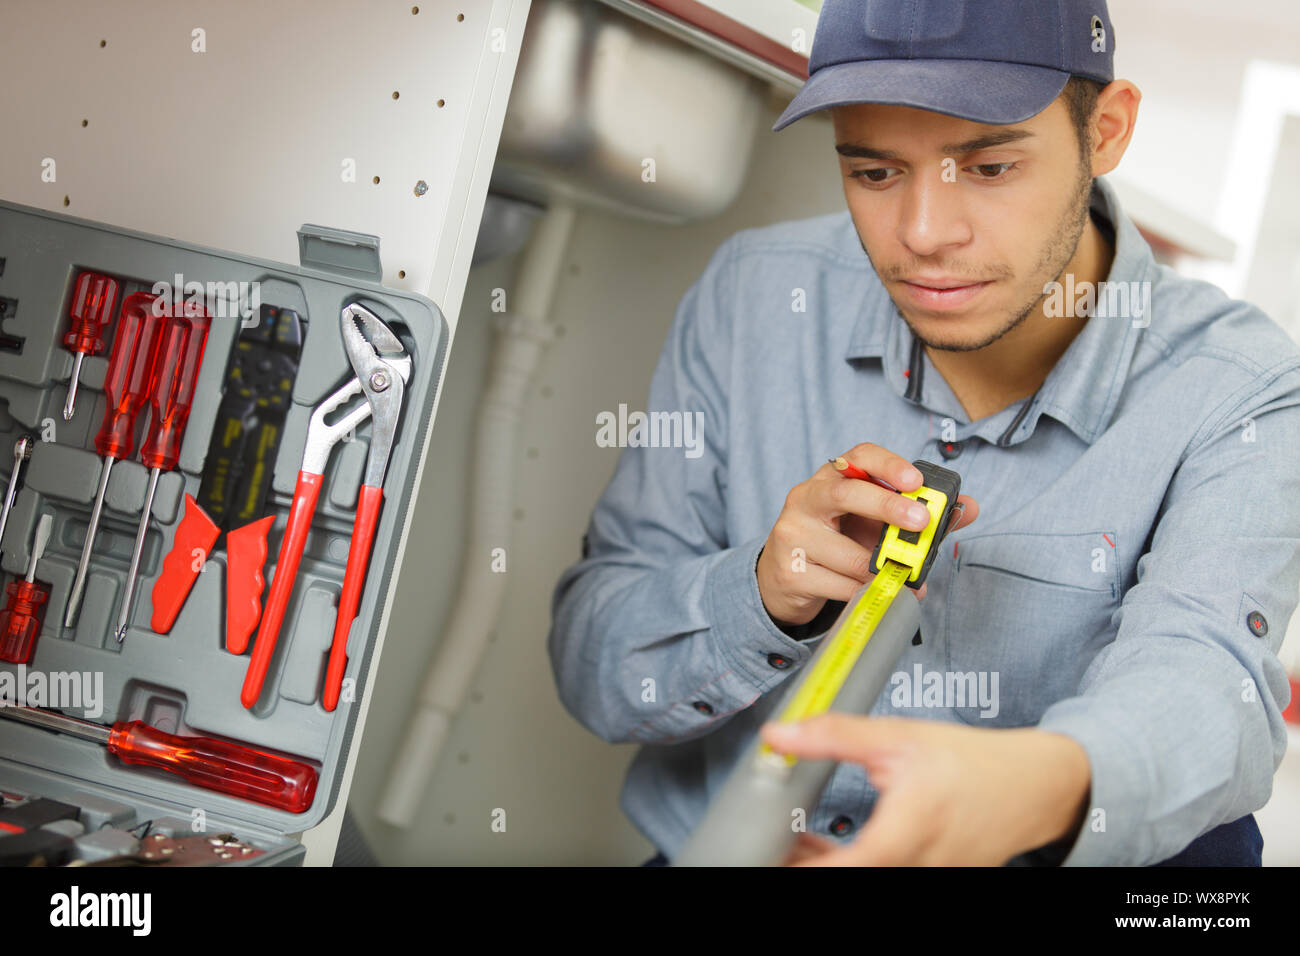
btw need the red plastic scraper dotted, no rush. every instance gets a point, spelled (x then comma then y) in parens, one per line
(245, 555)
(191, 546)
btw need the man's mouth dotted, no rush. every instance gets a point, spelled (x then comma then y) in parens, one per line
(942, 293)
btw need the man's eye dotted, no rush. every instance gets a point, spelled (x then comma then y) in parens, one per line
(871, 175)
(992, 170)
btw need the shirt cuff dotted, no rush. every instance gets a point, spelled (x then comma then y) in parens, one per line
(1113, 832)
(744, 633)
(814, 628)
(819, 625)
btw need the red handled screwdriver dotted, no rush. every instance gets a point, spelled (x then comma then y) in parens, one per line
(93, 300)
(171, 393)
(20, 623)
(126, 388)
(212, 764)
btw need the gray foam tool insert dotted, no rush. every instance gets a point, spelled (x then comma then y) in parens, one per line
(25, 403)
(18, 533)
(67, 828)
(167, 498)
(172, 826)
(61, 471)
(98, 610)
(126, 486)
(105, 844)
(94, 369)
(313, 632)
(97, 811)
(349, 463)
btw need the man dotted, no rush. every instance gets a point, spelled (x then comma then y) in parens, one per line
(1129, 435)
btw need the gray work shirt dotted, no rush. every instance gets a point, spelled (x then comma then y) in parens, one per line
(1129, 580)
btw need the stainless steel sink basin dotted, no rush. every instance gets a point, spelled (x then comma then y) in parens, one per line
(610, 112)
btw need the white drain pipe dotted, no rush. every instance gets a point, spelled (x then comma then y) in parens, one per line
(517, 351)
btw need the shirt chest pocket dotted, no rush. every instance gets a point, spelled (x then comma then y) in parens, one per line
(1027, 613)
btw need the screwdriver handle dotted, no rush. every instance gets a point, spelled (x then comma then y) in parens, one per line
(20, 622)
(93, 300)
(217, 765)
(130, 370)
(171, 388)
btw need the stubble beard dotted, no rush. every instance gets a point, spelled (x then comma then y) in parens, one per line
(1051, 263)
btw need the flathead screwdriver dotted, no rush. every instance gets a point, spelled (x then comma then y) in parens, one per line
(126, 388)
(216, 765)
(20, 621)
(171, 393)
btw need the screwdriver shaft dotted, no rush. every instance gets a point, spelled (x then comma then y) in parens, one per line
(22, 451)
(38, 544)
(70, 404)
(79, 582)
(51, 721)
(124, 615)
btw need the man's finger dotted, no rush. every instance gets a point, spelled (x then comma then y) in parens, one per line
(893, 836)
(808, 847)
(839, 737)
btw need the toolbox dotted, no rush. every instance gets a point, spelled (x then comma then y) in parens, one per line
(308, 384)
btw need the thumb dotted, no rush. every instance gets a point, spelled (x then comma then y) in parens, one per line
(868, 741)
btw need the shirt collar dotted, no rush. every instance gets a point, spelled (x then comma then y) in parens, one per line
(1083, 388)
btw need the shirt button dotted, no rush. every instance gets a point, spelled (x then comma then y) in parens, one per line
(777, 661)
(841, 825)
(950, 449)
(1257, 624)
(704, 707)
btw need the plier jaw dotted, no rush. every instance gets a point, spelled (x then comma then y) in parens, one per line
(382, 368)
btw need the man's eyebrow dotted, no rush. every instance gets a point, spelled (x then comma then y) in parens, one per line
(987, 141)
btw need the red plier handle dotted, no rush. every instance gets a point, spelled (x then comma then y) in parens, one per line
(382, 367)
(363, 536)
(301, 512)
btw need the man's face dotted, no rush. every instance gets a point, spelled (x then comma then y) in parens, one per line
(963, 222)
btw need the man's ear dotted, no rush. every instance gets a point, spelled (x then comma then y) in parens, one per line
(1113, 122)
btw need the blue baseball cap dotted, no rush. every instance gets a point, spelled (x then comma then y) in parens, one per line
(990, 61)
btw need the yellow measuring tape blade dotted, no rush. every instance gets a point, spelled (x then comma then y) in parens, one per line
(836, 662)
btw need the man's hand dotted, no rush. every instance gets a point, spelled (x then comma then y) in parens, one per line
(835, 523)
(949, 795)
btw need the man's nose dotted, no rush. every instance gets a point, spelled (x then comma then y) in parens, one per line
(932, 216)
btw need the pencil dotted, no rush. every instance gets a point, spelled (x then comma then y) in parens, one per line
(850, 470)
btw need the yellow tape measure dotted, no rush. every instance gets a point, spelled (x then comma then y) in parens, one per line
(901, 558)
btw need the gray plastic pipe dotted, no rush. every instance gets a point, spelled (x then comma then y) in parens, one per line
(751, 822)
(519, 347)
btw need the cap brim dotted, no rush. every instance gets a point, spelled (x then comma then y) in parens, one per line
(977, 90)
